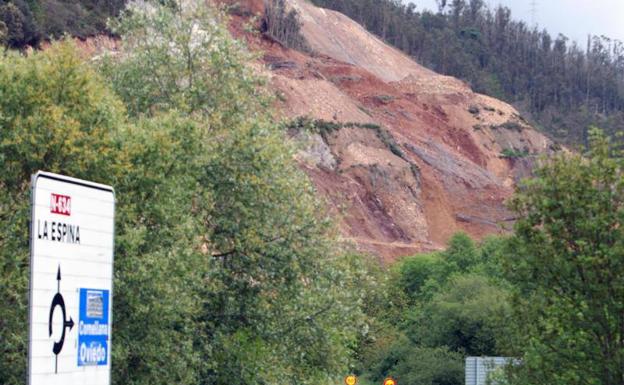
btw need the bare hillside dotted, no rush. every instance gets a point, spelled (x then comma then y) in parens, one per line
(444, 160)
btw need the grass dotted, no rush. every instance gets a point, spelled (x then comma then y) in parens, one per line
(508, 125)
(384, 99)
(512, 153)
(364, 110)
(325, 128)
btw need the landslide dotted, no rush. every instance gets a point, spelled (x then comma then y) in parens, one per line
(405, 157)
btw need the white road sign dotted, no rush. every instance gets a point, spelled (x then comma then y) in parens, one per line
(71, 298)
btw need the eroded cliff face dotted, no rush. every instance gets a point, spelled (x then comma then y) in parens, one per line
(422, 156)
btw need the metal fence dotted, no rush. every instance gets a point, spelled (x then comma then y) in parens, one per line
(479, 368)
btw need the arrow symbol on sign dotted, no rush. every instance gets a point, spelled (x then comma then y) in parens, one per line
(60, 302)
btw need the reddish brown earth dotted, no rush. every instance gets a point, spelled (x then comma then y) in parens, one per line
(448, 174)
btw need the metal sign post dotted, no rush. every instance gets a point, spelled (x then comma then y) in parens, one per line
(71, 281)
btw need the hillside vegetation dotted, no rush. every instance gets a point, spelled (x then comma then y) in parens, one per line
(549, 295)
(565, 86)
(227, 268)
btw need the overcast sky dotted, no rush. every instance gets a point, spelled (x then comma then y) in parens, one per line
(574, 18)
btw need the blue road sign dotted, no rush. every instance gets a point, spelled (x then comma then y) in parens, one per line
(93, 327)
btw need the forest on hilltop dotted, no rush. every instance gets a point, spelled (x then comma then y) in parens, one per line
(29, 22)
(564, 86)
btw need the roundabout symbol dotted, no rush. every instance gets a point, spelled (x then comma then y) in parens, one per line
(58, 301)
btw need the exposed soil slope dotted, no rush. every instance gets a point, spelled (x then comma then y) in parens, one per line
(437, 164)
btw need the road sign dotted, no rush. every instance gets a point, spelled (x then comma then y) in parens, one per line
(389, 381)
(71, 281)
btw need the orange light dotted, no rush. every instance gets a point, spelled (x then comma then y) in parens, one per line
(389, 381)
(350, 380)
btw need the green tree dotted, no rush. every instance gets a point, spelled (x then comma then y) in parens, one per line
(421, 276)
(184, 58)
(491, 253)
(567, 268)
(461, 253)
(464, 316)
(279, 302)
(412, 364)
(430, 366)
(159, 262)
(13, 20)
(30, 21)
(442, 306)
(20, 21)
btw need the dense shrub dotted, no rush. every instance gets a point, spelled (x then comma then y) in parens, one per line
(463, 316)
(440, 308)
(227, 268)
(270, 311)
